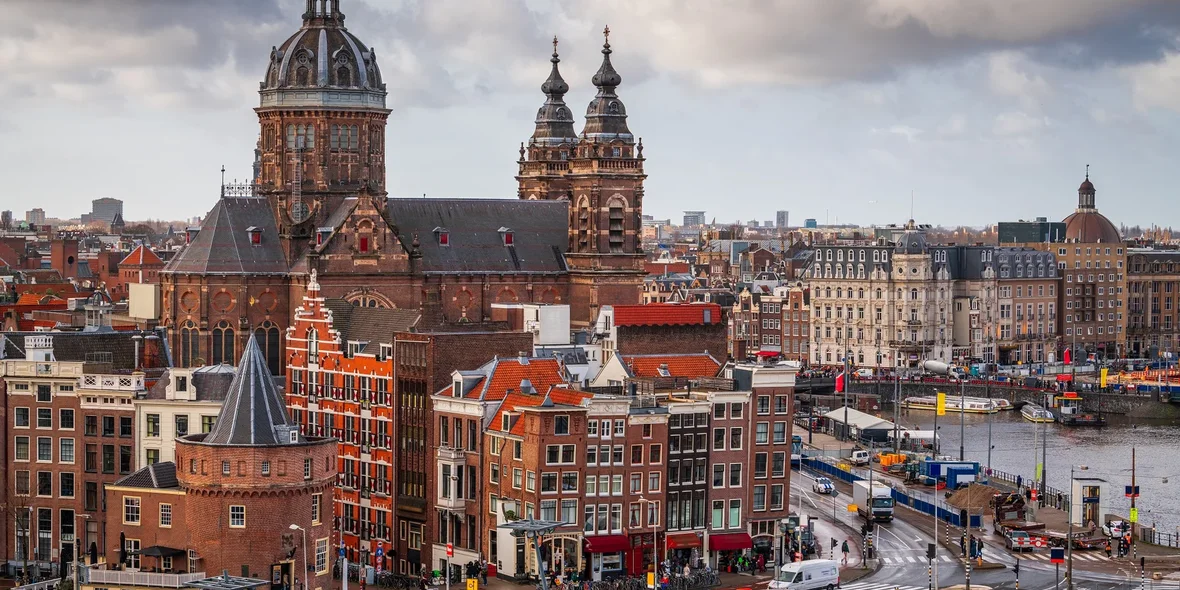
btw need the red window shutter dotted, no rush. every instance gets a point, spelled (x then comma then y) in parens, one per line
(364, 243)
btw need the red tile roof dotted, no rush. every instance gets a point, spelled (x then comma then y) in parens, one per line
(663, 268)
(504, 375)
(142, 256)
(515, 402)
(37, 299)
(668, 314)
(679, 365)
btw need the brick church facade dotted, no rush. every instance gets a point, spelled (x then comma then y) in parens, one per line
(319, 203)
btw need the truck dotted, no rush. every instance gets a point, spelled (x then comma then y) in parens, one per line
(874, 502)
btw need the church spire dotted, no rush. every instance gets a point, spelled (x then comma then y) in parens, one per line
(1086, 193)
(555, 124)
(606, 117)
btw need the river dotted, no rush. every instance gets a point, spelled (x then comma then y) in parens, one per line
(1106, 452)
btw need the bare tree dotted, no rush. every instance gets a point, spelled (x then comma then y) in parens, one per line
(19, 509)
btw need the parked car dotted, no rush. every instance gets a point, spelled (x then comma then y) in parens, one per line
(1115, 528)
(822, 485)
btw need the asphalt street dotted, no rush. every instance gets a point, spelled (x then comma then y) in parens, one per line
(902, 562)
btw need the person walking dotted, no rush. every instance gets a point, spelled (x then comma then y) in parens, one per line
(1108, 548)
(963, 544)
(844, 550)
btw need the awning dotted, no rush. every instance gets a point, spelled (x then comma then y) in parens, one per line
(607, 543)
(730, 542)
(161, 551)
(1065, 377)
(683, 540)
(767, 353)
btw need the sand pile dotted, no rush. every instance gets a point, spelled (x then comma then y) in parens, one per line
(976, 498)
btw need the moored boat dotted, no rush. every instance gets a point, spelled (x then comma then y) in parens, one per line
(953, 404)
(1035, 413)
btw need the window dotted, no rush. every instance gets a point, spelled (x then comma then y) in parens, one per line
(44, 417)
(125, 459)
(165, 515)
(132, 554)
(153, 425)
(637, 454)
(735, 438)
(561, 425)
(735, 410)
(655, 454)
(108, 426)
(494, 475)
(735, 514)
(21, 418)
(307, 468)
(776, 497)
(719, 411)
(778, 468)
(181, 426)
(780, 432)
(780, 404)
(616, 485)
(65, 450)
(592, 428)
(530, 481)
(266, 467)
(763, 404)
(22, 483)
(44, 483)
(207, 423)
(735, 475)
(125, 429)
(66, 484)
(321, 556)
(761, 433)
(653, 481)
(317, 508)
(44, 394)
(718, 517)
(620, 427)
(225, 467)
(44, 449)
(719, 439)
(548, 482)
(759, 498)
(719, 475)
(237, 517)
(517, 475)
(759, 465)
(130, 510)
(22, 448)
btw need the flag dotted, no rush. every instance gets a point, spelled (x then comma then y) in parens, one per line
(1068, 356)
(941, 406)
(840, 383)
(1102, 378)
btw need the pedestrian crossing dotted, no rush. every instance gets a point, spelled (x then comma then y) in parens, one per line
(1077, 556)
(877, 586)
(914, 559)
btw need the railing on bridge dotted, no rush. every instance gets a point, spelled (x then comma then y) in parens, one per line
(42, 585)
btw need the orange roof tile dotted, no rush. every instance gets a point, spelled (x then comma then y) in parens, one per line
(142, 256)
(679, 365)
(668, 314)
(506, 375)
(514, 402)
(665, 268)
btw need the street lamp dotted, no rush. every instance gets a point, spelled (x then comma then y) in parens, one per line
(1069, 535)
(655, 545)
(534, 530)
(296, 527)
(78, 550)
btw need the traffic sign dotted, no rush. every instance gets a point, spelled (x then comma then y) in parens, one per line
(450, 550)
(1057, 555)
(1131, 491)
(1134, 515)
(342, 552)
(472, 583)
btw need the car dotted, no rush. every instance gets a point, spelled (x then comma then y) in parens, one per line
(822, 485)
(1018, 541)
(1115, 528)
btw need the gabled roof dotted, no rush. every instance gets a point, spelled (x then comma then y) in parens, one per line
(515, 402)
(475, 243)
(693, 366)
(254, 412)
(374, 325)
(38, 299)
(142, 256)
(222, 245)
(668, 314)
(499, 377)
(158, 476)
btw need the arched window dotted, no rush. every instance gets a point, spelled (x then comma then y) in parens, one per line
(616, 233)
(353, 141)
(267, 336)
(190, 345)
(313, 343)
(878, 293)
(914, 294)
(860, 294)
(222, 349)
(290, 137)
(343, 76)
(301, 76)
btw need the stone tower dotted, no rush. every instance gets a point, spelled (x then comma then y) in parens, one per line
(544, 163)
(322, 123)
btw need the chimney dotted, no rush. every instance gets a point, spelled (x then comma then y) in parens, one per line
(137, 339)
(151, 352)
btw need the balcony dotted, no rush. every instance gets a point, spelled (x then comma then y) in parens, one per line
(128, 383)
(100, 577)
(452, 455)
(450, 502)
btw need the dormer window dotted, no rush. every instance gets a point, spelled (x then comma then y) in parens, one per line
(363, 244)
(458, 388)
(255, 234)
(190, 234)
(505, 422)
(507, 236)
(443, 236)
(321, 235)
(181, 383)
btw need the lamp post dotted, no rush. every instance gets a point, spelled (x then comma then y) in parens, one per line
(78, 550)
(1069, 535)
(302, 530)
(655, 544)
(534, 530)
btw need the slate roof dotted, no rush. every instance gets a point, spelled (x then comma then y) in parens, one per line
(74, 346)
(223, 246)
(142, 256)
(374, 325)
(254, 413)
(210, 382)
(668, 314)
(158, 476)
(692, 366)
(540, 234)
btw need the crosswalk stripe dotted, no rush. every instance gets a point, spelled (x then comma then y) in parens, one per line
(876, 586)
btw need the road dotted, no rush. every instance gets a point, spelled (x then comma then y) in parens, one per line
(901, 549)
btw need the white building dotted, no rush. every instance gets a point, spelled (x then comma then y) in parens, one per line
(183, 401)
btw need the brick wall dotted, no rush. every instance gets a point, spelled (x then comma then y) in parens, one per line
(674, 340)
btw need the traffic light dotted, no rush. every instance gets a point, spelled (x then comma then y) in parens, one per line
(1016, 568)
(930, 551)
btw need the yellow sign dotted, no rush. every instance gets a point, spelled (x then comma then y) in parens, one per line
(852, 507)
(651, 579)
(1102, 378)
(472, 584)
(1134, 515)
(941, 406)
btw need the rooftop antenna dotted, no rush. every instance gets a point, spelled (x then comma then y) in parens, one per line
(223, 181)
(911, 203)
(1087, 172)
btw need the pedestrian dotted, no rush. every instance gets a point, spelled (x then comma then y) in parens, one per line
(844, 550)
(1019, 482)
(1108, 548)
(963, 544)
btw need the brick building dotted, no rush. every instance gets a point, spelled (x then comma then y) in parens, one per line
(662, 328)
(69, 429)
(729, 455)
(349, 367)
(234, 494)
(1028, 285)
(688, 476)
(1153, 302)
(772, 324)
(182, 402)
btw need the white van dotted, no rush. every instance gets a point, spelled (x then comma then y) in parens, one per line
(808, 575)
(859, 457)
(864, 373)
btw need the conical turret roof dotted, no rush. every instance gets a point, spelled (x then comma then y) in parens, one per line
(254, 412)
(606, 117)
(555, 122)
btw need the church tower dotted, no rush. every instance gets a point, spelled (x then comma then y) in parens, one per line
(605, 177)
(322, 120)
(544, 162)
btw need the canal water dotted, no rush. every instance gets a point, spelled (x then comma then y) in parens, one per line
(1106, 452)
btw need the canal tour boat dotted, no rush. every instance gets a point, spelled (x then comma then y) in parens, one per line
(1035, 413)
(953, 404)
(1069, 412)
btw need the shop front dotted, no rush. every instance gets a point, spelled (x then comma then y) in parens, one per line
(562, 553)
(642, 555)
(764, 546)
(684, 548)
(726, 548)
(607, 555)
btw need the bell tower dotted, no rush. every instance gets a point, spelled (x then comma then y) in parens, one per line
(544, 161)
(605, 178)
(322, 122)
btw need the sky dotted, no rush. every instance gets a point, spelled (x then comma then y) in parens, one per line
(850, 111)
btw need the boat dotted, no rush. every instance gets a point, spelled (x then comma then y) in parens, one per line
(1000, 403)
(1069, 411)
(1035, 413)
(953, 404)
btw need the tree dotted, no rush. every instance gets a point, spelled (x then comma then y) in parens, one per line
(19, 509)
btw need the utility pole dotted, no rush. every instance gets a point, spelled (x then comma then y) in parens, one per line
(1134, 493)
(987, 388)
(1044, 464)
(962, 414)
(847, 430)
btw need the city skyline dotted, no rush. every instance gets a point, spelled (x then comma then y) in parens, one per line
(998, 103)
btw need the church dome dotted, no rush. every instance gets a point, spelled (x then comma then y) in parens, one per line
(1087, 225)
(322, 54)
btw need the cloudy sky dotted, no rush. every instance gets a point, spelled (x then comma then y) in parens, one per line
(981, 109)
